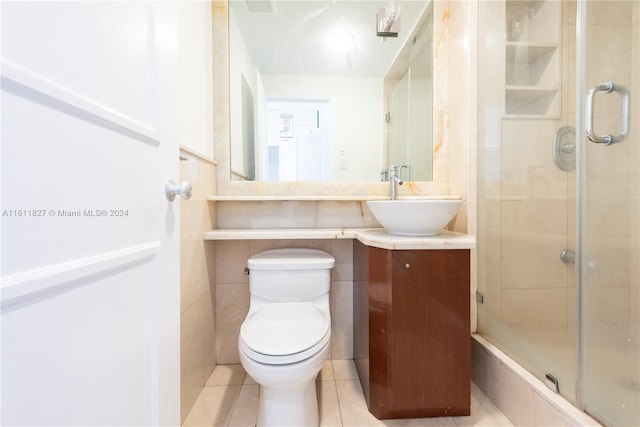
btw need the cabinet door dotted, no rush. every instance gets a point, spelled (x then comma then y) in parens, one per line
(380, 347)
(430, 358)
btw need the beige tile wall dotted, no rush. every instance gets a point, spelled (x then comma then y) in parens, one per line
(197, 280)
(455, 27)
(454, 103)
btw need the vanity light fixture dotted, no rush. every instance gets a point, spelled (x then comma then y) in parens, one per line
(388, 20)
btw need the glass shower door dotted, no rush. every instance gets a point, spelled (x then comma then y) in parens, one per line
(526, 200)
(609, 187)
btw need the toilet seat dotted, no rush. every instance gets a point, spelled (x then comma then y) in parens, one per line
(281, 333)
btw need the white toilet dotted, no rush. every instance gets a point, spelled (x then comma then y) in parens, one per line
(285, 337)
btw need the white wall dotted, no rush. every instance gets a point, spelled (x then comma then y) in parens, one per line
(356, 119)
(195, 73)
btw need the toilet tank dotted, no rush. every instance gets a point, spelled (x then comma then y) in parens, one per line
(290, 275)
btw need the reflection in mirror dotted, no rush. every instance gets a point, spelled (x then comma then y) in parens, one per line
(311, 90)
(409, 103)
(248, 134)
(297, 141)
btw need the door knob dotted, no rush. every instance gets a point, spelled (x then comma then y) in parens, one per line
(172, 190)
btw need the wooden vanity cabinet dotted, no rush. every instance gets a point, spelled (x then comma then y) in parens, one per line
(412, 344)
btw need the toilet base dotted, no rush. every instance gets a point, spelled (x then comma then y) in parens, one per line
(287, 392)
(296, 405)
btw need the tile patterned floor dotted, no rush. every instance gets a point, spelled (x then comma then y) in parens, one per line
(230, 398)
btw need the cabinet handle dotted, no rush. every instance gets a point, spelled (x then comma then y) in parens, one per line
(407, 265)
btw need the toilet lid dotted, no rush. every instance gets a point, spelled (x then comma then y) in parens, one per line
(291, 259)
(280, 329)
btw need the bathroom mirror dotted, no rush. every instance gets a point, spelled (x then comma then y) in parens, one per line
(317, 95)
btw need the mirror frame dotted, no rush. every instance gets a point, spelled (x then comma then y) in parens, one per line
(293, 189)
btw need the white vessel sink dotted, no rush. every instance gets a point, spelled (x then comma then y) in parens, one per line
(414, 217)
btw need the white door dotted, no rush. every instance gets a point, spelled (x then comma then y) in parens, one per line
(90, 283)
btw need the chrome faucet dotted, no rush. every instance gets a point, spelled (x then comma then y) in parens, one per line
(395, 180)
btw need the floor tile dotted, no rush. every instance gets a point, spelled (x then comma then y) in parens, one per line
(328, 405)
(326, 374)
(483, 412)
(226, 375)
(344, 370)
(421, 422)
(248, 380)
(213, 406)
(245, 412)
(341, 402)
(353, 406)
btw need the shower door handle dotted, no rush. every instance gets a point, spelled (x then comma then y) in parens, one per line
(608, 87)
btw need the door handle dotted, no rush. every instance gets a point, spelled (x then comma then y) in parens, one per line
(172, 190)
(608, 87)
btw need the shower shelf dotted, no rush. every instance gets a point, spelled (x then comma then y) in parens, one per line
(523, 52)
(532, 58)
(531, 102)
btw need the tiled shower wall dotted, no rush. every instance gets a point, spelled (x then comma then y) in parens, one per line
(528, 206)
(527, 215)
(197, 280)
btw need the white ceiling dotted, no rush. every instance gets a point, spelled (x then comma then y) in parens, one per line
(294, 39)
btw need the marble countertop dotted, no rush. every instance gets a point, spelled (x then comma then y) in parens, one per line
(379, 238)
(376, 237)
(323, 198)
(281, 233)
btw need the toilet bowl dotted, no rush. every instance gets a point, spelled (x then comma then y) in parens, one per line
(284, 340)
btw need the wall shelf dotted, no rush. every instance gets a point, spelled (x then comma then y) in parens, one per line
(321, 198)
(375, 237)
(281, 233)
(527, 53)
(528, 101)
(532, 60)
(285, 198)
